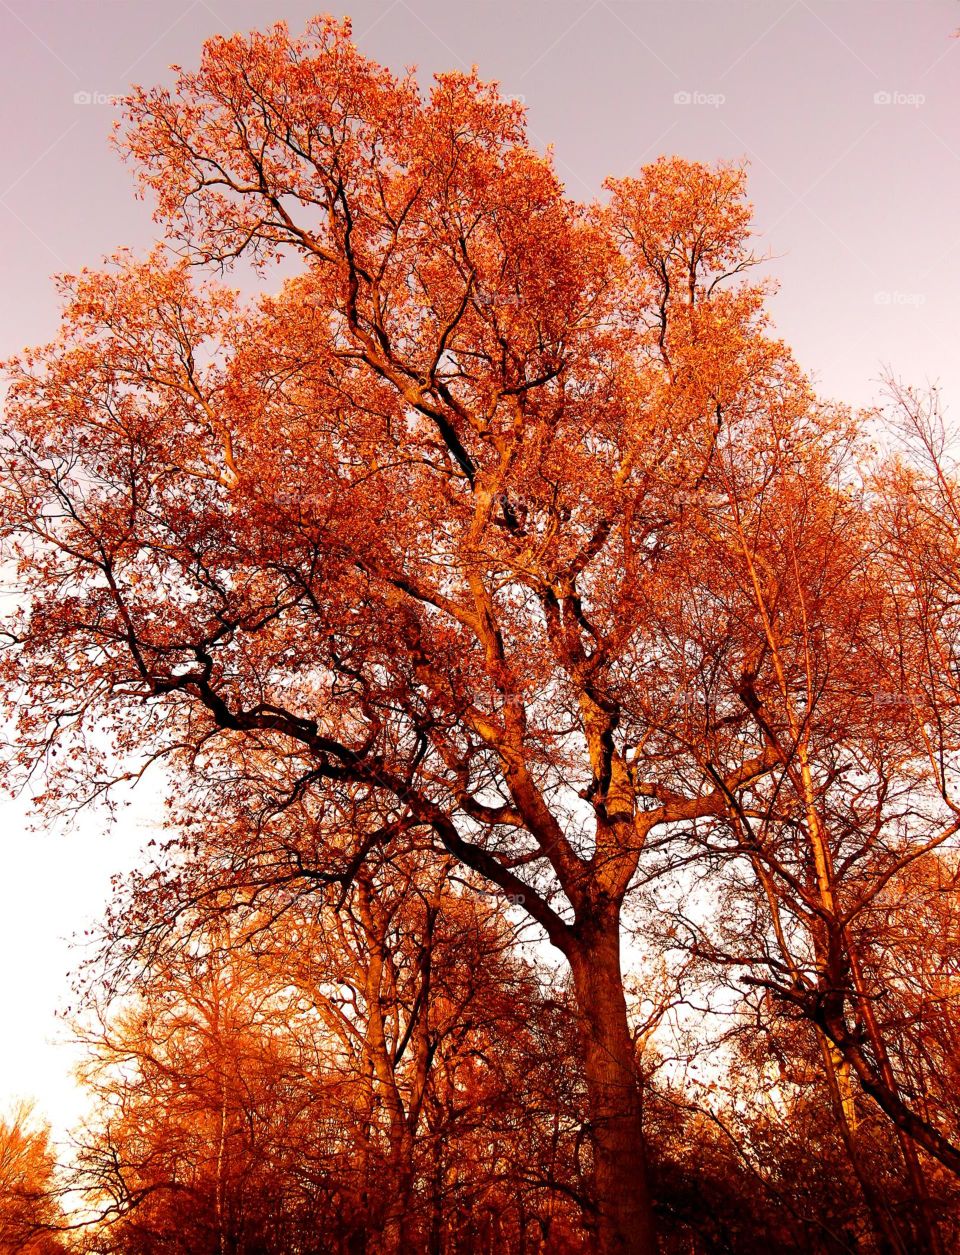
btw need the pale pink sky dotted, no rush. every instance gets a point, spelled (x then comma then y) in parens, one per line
(846, 110)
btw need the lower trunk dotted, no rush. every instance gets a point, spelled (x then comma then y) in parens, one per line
(394, 1237)
(837, 1073)
(625, 1216)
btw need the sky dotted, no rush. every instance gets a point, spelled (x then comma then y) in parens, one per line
(845, 110)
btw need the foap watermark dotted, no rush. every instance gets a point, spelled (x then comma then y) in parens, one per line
(904, 299)
(712, 100)
(97, 98)
(499, 298)
(911, 100)
(687, 701)
(512, 899)
(893, 697)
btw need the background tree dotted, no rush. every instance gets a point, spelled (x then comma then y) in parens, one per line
(30, 1212)
(864, 784)
(205, 1134)
(352, 1075)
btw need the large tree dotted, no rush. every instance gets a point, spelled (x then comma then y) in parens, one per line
(446, 533)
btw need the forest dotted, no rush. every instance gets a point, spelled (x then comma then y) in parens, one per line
(555, 703)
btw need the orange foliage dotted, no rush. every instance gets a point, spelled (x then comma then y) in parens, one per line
(505, 523)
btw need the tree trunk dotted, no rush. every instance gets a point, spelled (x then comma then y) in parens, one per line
(396, 1223)
(625, 1219)
(841, 1100)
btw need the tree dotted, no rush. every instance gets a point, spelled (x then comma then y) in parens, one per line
(427, 536)
(206, 1135)
(844, 645)
(352, 1079)
(30, 1213)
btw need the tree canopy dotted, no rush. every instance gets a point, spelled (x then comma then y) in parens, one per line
(506, 524)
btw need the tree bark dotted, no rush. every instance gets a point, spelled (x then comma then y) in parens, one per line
(625, 1214)
(888, 1238)
(394, 1238)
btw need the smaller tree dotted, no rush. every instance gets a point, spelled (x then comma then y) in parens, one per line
(207, 1134)
(368, 1070)
(30, 1212)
